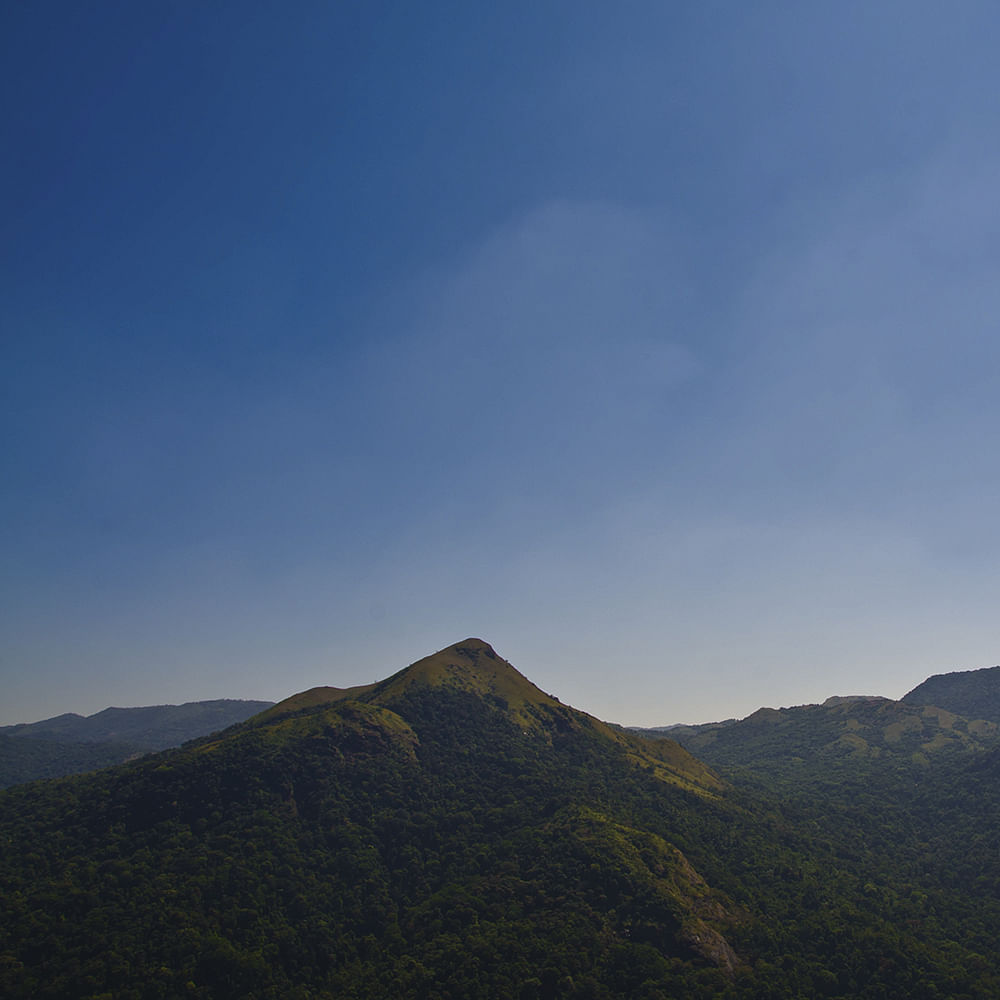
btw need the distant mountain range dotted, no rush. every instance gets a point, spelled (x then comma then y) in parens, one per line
(70, 743)
(947, 713)
(455, 831)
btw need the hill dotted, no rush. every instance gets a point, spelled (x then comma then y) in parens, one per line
(155, 727)
(474, 669)
(858, 733)
(71, 743)
(455, 831)
(905, 789)
(973, 693)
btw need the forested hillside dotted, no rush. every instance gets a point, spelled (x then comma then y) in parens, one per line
(907, 791)
(454, 832)
(842, 734)
(28, 759)
(71, 743)
(974, 693)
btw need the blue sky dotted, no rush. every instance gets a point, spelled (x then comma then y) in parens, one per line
(657, 344)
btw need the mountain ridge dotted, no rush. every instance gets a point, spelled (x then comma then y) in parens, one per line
(454, 831)
(473, 667)
(841, 732)
(950, 712)
(972, 693)
(71, 743)
(455, 778)
(154, 727)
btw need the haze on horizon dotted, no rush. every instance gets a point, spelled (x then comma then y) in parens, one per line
(655, 344)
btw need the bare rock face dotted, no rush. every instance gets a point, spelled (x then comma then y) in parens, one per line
(710, 945)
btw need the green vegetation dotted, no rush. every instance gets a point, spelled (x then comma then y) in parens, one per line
(454, 832)
(155, 727)
(71, 744)
(972, 693)
(29, 758)
(852, 734)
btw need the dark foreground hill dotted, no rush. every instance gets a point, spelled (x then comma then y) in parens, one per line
(454, 832)
(71, 743)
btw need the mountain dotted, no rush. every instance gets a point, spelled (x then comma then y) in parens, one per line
(455, 831)
(853, 733)
(474, 669)
(972, 693)
(155, 727)
(71, 743)
(906, 789)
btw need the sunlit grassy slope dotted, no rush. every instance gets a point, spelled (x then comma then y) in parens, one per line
(473, 667)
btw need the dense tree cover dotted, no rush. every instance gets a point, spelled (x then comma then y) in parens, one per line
(28, 758)
(435, 843)
(71, 744)
(841, 734)
(972, 693)
(910, 805)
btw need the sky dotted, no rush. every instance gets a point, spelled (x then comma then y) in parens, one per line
(658, 344)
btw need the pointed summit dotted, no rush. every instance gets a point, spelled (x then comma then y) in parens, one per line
(471, 665)
(473, 669)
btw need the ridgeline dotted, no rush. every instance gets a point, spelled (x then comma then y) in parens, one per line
(453, 831)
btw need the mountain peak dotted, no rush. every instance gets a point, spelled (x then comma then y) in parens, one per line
(472, 648)
(471, 665)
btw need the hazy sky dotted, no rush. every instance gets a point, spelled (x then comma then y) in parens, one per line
(656, 343)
